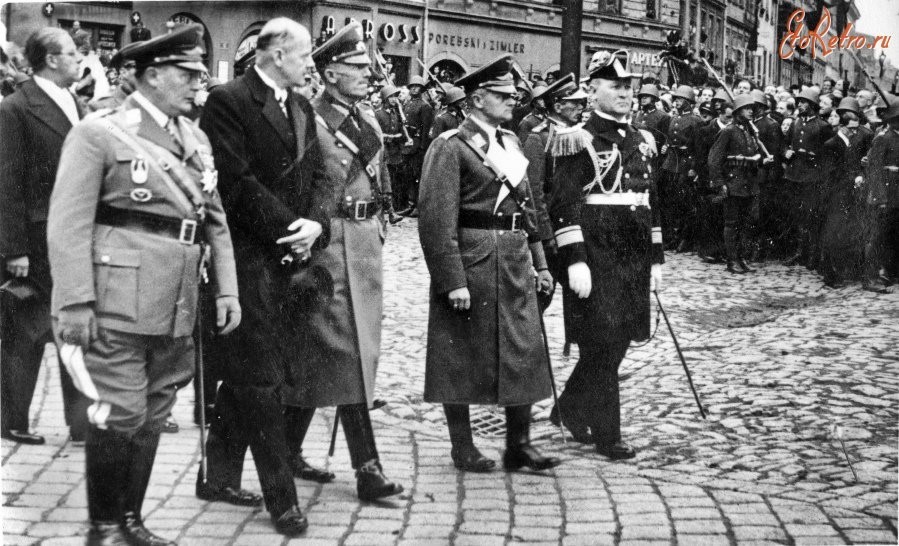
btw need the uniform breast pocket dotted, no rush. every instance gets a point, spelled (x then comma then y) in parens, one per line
(475, 245)
(117, 278)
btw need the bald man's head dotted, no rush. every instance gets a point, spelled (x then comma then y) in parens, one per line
(283, 51)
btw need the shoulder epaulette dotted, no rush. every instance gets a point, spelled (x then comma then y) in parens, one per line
(446, 135)
(540, 127)
(569, 140)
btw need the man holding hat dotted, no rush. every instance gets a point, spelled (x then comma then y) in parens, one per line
(134, 215)
(882, 176)
(734, 162)
(279, 202)
(604, 208)
(481, 246)
(342, 335)
(419, 116)
(804, 143)
(677, 191)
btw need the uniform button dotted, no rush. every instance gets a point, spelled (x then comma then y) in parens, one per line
(645, 175)
(343, 161)
(104, 258)
(627, 175)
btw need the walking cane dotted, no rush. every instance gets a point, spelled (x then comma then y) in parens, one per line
(680, 354)
(552, 379)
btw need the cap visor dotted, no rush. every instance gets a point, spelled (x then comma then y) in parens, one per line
(360, 58)
(195, 66)
(508, 89)
(577, 95)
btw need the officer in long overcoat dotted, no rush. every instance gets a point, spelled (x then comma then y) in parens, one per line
(882, 179)
(134, 206)
(342, 335)
(604, 208)
(481, 247)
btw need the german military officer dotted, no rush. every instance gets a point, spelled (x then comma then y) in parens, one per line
(734, 162)
(343, 335)
(677, 188)
(604, 208)
(481, 246)
(804, 144)
(133, 208)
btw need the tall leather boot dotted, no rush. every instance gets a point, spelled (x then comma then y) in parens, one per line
(730, 245)
(371, 483)
(464, 453)
(296, 424)
(745, 243)
(107, 454)
(519, 451)
(140, 466)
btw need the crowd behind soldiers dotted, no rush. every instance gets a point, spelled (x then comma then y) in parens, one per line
(282, 193)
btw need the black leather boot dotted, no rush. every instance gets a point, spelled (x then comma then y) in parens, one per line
(106, 464)
(143, 453)
(371, 483)
(519, 451)
(465, 455)
(296, 424)
(744, 266)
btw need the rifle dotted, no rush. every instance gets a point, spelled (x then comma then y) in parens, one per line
(396, 104)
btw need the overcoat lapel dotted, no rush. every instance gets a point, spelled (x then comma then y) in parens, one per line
(271, 110)
(46, 110)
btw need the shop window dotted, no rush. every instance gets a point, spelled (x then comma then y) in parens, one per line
(651, 9)
(609, 6)
(398, 66)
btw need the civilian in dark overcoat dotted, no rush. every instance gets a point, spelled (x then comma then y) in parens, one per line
(882, 180)
(604, 208)
(273, 184)
(481, 247)
(34, 122)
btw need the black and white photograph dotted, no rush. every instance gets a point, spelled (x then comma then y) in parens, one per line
(449, 272)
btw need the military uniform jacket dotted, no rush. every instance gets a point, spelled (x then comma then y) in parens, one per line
(806, 138)
(341, 337)
(493, 354)
(883, 185)
(32, 131)
(619, 243)
(656, 122)
(739, 175)
(140, 283)
(705, 139)
(681, 156)
(419, 116)
(540, 169)
(390, 124)
(528, 123)
(448, 119)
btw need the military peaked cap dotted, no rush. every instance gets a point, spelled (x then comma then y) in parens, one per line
(564, 88)
(610, 65)
(494, 76)
(345, 47)
(181, 47)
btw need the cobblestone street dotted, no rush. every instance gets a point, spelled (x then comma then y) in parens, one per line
(785, 367)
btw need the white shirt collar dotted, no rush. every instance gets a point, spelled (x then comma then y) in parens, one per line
(60, 96)
(489, 129)
(843, 137)
(280, 92)
(155, 113)
(622, 119)
(721, 125)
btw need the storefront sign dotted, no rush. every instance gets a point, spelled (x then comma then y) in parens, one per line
(388, 31)
(108, 38)
(640, 58)
(475, 42)
(248, 44)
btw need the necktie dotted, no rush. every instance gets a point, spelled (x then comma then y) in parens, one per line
(172, 128)
(282, 102)
(499, 139)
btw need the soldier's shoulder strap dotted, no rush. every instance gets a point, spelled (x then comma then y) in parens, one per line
(446, 135)
(570, 140)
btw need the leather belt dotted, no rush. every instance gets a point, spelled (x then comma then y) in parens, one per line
(359, 210)
(627, 199)
(473, 219)
(185, 231)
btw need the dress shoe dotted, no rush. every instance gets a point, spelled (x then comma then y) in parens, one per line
(579, 431)
(732, 267)
(566, 349)
(526, 455)
(170, 426)
(138, 535)
(617, 451)
(371, 483)
(291, 523)
(305, 471)
(106, 533)
(237, 497)
(877, 286)
(469, 459)
(394, 218)
(744, 266)
(23, 437)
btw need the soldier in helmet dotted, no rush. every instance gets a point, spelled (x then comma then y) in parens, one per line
(419, 116)
(734, 162)
(882, 179)
(391, 126)
(804, 143)
(605, 213)
(649, 116)
(767, 223)
(534, 115)
(709, 206)
(481, 246)
(677, 191)
(452, 114)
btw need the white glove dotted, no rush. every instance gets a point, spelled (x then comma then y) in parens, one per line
(655, 278)
(579, 279)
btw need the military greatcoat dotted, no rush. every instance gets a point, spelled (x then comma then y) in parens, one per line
(619, 243)
(494, 354)
(342, 337)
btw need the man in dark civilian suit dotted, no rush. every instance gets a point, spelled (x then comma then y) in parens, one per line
(278, 201)
(34, 122)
